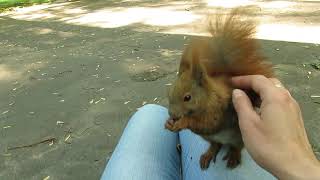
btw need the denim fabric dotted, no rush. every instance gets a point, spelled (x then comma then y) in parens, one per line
(147, 151)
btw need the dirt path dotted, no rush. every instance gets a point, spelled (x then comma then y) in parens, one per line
(76, 71)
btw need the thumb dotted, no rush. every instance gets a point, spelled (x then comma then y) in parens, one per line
(244, 108)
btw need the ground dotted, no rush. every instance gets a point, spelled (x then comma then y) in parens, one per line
(72, 73)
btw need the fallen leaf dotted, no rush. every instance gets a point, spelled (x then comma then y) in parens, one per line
(46, 178)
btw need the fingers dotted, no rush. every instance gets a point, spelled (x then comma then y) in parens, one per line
(260, 84)
(276, 82)
(244, 109)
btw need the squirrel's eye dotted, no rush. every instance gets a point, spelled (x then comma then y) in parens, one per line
(187, 98)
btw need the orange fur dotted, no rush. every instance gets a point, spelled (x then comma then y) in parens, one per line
(205, 67)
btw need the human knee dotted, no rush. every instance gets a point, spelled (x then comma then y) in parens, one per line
(150, 115)
(153, 107)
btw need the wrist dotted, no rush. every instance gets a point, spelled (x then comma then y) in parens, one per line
(301, 170)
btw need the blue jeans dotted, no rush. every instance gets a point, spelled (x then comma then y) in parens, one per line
(147, 151)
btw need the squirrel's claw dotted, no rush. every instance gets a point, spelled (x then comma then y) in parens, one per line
(233, 158)
(172, 125)
(205, 160)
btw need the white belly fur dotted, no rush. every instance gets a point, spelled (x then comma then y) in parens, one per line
(228, 136)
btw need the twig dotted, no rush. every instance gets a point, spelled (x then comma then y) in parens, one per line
(34, 144)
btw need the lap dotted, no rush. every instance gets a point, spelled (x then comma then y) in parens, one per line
(145, 150)
(148, 151)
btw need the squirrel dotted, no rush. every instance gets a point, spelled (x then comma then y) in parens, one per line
(200, 99)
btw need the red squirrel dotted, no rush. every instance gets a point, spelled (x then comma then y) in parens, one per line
(200, 97)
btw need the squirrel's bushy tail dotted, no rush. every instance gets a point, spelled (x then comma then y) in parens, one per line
(232, 49)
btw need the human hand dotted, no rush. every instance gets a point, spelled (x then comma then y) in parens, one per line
(275, 137)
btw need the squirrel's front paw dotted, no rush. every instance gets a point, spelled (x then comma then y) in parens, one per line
(174, 126)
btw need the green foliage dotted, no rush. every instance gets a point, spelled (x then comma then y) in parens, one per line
(6, 4)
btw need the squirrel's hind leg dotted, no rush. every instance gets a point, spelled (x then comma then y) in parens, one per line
(233, 157)
(211, 154)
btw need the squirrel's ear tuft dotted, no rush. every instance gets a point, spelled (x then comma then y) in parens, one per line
(184, 66)
(198, 71)
(185, 63)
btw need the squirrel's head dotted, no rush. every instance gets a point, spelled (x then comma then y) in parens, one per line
(188, 94)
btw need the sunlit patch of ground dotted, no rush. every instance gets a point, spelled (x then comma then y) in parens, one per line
(280, 20)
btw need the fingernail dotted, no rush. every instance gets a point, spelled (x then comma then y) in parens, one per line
(236, 93)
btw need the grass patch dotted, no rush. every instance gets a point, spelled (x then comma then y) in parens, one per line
(7, 4)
